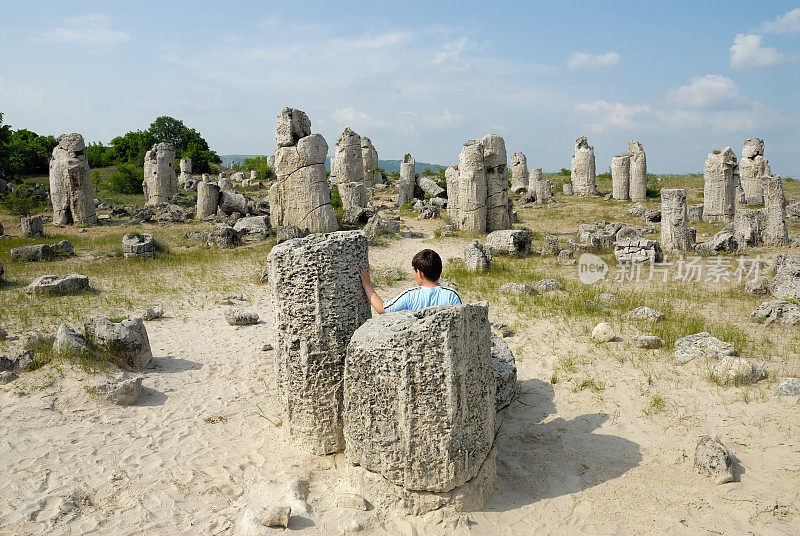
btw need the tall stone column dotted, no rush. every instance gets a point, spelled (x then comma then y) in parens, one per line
(207, 199)
(186, 170)
(753, 168)
(453, 206)
(674, 231)
(369, 158)
(583, 169)
(349, 162)
(471, 189)
(775, 232)
(301, 196)
(638, 173)
(160, 185)
(621, 177)
(319, 302)
(408, 179)
(71, 191)
(721, 177)
(495, 163)
(519, 173)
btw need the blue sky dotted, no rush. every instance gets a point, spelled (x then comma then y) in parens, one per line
(684, 78)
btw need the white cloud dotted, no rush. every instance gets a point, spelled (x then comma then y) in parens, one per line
(91, 30)
(411, 121)
(448, 59)
(583, 61)
(748, 52)
(706, 92)
(342, 45)
(355, 119)
(789, 22)
(753, 117)
(599, 115)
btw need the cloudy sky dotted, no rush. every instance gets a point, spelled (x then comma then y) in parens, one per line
(684, 78)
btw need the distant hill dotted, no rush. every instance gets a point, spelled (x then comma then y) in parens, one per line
(388, 165)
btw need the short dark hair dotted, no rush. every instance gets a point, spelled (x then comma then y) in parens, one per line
(429, 263)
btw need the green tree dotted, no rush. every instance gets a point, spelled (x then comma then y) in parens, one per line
(167, 129)
(125, 179)
(258, 163)
(5, 138)
(131, 148)
(99, 155)
(29, 153)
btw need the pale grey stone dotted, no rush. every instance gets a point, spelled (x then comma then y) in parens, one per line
(630, 250)
(69, 343)
(777, 311)
(52, 285)
(186, 171)
(231, 202)
(405, 188)
(505, 372)
(774, 231)
(713, 459)
(757, 286)
(647, 341)
(288, 233)
(71, 191)
(33, 253)
(542, 191)
(138, 245)
(225, 236)
(637, 209)
(276, 516)
(607, 298)
(467, 200)
(291, 125)
(735, 371)
(788, 387)
(38, 341)
(225, 183)
(352, 501)
(369, 158)
(495, 161)
(160, 185)
(748, 228)
(723, 241)
(430, 186)
(353, 195)
(701, 345)
(753, 167)
(645, 313)
(509, 242)
(207, 200)
(603, 332)
(517, 289)
(520, 176)
(567, 189)
(638, 171)
(22, 362)
(241, 317)
(121, 390)
(319, 302)
(550, 247)
(674, 231)
(786, 283)
(253, 226)
(621, 177)
(32, 226)
(694, 213)
(349, 162)
(721, 177)
(126, 340)
(583, 168)
(408, 427)
(476, 258)
(152, 313)
(547, 285)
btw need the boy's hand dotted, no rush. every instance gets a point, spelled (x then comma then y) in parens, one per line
(365, 280)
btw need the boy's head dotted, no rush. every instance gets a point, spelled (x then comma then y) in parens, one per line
(429, 263)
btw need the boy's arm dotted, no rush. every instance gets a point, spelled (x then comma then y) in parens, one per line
(372, 296)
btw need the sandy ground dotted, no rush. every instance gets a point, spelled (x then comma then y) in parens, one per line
(194, 454)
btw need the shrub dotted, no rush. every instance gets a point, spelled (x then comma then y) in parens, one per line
(336, 199)
(22, 201)
(125, 179)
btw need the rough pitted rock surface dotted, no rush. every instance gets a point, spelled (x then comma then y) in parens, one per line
(505, 372)
(786, 283)
(636, 249)
(721, 176)
(603, 332)
(466, 189)
(520, 175)
(138, 245)
(160, 184)
(774, 232)
(509, 242)
(225, 236)
(231, 202)
(621, 177)
(69, 343)
(428, 432)
(408, 179)
(550, 248)
(430, 187)
(702, 345)
(788, 387)
(71, 191)
(566, 188)
(32, 227)
(647, 341)
(778, 312)
(126, 340)
(674, 231)
(517, 289)
(369, 157)
(253, 226)
(583, 168)
(735, 371)
(757, 286)
(121, 390)
(645, 313)
(348, 161)
(52, 285)
(713, 459)
(240, 317)
(42, 252)
(495, 165)
(722, 242)
(319, 302)
(694, 213)
(290, 126)
(753, 167)
(638, 171)
(637, 209)
(547, 285)
(207, 200)
(542, 190)
(476, 258)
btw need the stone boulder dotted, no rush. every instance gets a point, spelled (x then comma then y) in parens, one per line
(509, 242)
(780, 312)
(240, 317)
(645, 313)
(347, 164)
(735, 371)
(232, 202)
(225, 236)
(520, 176)
(32, 227)
(121, 390)
(517, 289)
(505, 372)
(138, 245)
(71, 191)
(207, 200)
(721, 181)
(788, 387)
(674, 231)
(160, 185)
(52, 285)
(702, 345)
(547, 285)
(126, 340)
(425, 434)
(583, 169)
(257, 227)
(495, 164)
(786, 283)
(722, 242)
(713, 459)
(408, 174)
(476, 258)
(603, 332)
(630, 249)
(291, 126)
(430, 186)
(69, 343)
(621, 177)
(638, 171)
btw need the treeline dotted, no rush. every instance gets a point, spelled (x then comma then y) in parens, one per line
(25, 153)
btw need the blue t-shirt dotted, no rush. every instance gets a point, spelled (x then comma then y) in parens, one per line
(418, 298)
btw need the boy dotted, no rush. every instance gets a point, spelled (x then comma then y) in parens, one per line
(427, 268)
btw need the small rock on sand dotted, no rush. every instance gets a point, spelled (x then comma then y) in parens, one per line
(603, 332)
(713, 459)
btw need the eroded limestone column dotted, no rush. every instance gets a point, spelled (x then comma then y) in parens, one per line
(160, 185)
(71, 191)
(369, 158)
(453, 206)
(674, 231)
(301, 195)
(495, 163)
(408, 179)
(638, 171)
(621, 177)
(207, 199)
(349, 161)
(353, 194)
(419, 408)
(186, 170)
(534, 176)
(753, 168)
(775, 232)
(583, 169)
(721, 177)
(471, 188)
(519, 173)
(319, 302)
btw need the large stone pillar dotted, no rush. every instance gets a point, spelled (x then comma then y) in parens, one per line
(207, 199)
(319, 302)
(186, 170)
(775, 232)
(753, 168)
(353, 194)
(674, 231)
(408, 179)
(301, 196)
(349, 161)
(419, 408)
(71, 191)
(583, 169)
(534, 176)
(495, 163)
(453, 207)
(519, 173)
(471, 189)
(638, 171)
(621, 177)
(721, 177)
(160, 185)
(369, 158)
